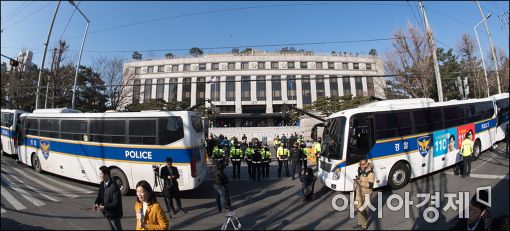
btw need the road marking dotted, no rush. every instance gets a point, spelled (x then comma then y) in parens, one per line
(51, 187)
(11, 200)
(484, 162)
(23, 192)
(3, 210)
(483, 176)
(44, 194)
(77, 189)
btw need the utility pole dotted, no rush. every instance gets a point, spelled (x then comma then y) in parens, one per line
(492, 47)
(44, 57)
(432, 46)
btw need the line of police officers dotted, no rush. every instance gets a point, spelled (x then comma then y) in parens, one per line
(258, 156)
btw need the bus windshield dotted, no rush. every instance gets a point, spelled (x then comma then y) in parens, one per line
(332, 138)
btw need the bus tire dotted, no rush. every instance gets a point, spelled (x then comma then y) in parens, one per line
(399, 176)
(121, 180)
(477, 150)
(36, 163)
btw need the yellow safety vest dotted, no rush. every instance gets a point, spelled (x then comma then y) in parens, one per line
(317, 147)
(467, 147)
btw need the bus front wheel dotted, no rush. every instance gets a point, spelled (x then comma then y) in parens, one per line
(477, 149)
(121, 180)
(399, 176)
(36, 164)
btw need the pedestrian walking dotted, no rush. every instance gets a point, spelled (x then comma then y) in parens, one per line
(282, 154)
(170, 174)
(108, 200)
(236, 155)
(363, 186)
(149, 214)
(466, 151)
(256, 162)
(296, 155)
(308, 180)
(220, 186)
(266, 160)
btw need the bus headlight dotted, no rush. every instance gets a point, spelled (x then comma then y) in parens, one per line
(336, 174)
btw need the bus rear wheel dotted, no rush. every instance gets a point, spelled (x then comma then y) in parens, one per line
(477, 149)
(399, 176)
(121, 180)
(36, 164)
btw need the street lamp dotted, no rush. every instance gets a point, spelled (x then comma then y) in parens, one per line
(481, 52)
(81, 51)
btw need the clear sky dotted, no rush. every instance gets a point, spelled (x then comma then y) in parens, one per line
(172, 26)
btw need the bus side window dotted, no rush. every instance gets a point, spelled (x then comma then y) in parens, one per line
(360, 138)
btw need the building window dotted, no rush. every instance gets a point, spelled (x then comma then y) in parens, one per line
(333, 85)
(137, 70)
(345, 66)
(369, 66)
(245, 88)
(231, 88)
(304, 65)
(175, 68)
(261, 88)
(359, 86)
(319, 83)
(187, 67)
(215, 66)
(136, 91)
(370, 86)
(150, 69)
(186, 90)
(172, 90)
(307, 92)
(161, 68)
(215, 88)
(277, 87)
(331, 65)
(201, 66)
(291, 65)
(319, 65)
(347, 85)
(200, 89)
(160, 87)
(291, 87)
(274, 65)
(244, 65)
(355, 66)
(147, 90)
(262, 65)
(231, 66)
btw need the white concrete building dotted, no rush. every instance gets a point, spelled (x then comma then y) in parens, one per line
(250, 89)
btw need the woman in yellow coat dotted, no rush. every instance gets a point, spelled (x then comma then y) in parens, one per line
(149, 215)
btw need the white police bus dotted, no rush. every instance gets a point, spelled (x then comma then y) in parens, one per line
(501, 103)
(9, 137)
(74, 144)
(404, 139)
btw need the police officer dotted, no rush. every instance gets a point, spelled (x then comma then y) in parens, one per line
(248, 158)
(277, 142)
(266, 159)
(236, 155)
(304, 154)
(256, 162)
(218, 155)
(282, 154)
(296, 155)
(317, 147)
(210, 146)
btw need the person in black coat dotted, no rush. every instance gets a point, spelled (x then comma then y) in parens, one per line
(296, 154)
(308, 181)
(108, 200)
(479, 215)
(220, 185)
(170, 174)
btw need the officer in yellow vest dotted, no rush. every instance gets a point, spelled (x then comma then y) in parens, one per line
(236, 155)
(256, 161)
(248, 158)
(317, 147)
(466, 150)
(282, 154)
(218, 156)
(277, 143)
(266, 159)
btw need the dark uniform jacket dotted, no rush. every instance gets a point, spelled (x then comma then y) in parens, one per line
(296, 154)
(172, 184)
(257, 157)
(109, 196)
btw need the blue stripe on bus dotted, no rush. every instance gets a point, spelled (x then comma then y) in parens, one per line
(114, 153)
(8, 132)
(480, 127)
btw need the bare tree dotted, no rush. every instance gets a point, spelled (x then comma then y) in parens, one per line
(470, 66)
(411, 60)
(116, 81)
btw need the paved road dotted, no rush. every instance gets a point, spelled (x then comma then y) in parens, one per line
(44, 201)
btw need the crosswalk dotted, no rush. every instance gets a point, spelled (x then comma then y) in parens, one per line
(22, 189)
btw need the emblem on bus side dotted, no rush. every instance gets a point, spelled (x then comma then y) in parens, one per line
(45, 148)
(424, 145)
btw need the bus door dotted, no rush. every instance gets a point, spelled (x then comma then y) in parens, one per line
(359, 143)
(7, 133)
